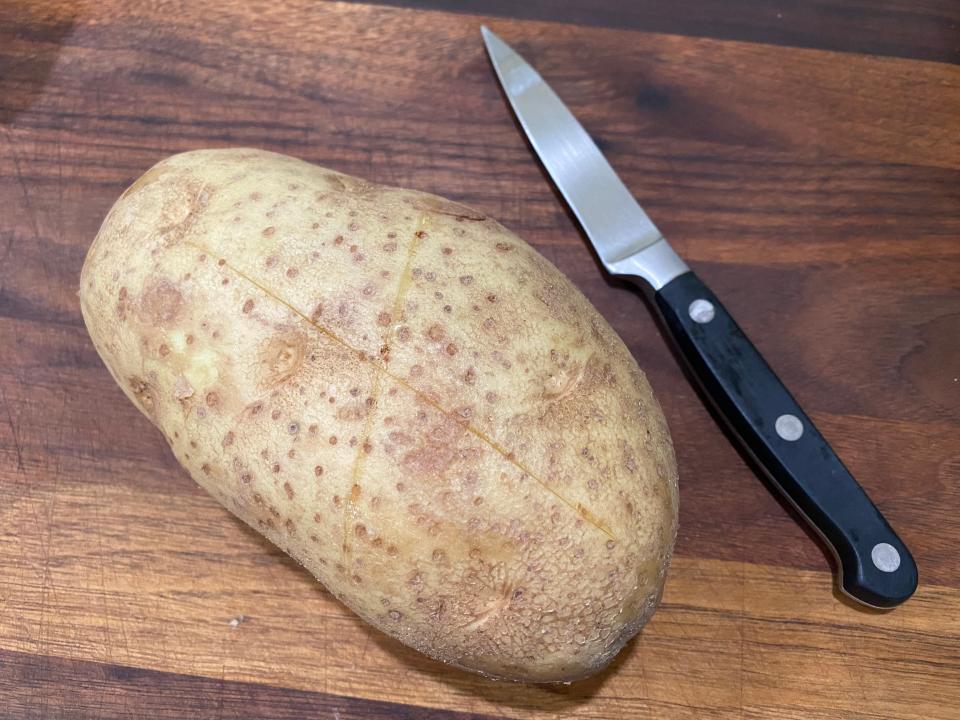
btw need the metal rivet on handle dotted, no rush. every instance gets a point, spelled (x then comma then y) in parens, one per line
(789, 427)
(701, 311)
(885, 557)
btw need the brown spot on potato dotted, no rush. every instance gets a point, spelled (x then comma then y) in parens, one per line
(436, 332)
(451, 349)
(400, 438)
(352, 412)
(503, 247)
(248, 306)
(227, 439)
(271, 261)
(360, 530)
(333, 440)
(122, 304)
(292, 272)
(161, 301)
(392, 550)
(143, 393)
(288, 489)
(318, 470)
(281, 356)
(403, 333)
(164, 350)
(437, 450)
(288, 524)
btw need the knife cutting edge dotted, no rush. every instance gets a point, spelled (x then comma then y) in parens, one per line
(874, 566)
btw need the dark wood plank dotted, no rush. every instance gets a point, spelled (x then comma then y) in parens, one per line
(51, 688)
(900, 28)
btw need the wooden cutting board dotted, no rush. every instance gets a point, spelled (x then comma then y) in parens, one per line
(806, 161)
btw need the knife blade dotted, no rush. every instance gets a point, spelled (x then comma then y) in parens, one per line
(873, 565)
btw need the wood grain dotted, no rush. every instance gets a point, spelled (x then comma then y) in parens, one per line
(900, 28)
(817, 192)
(52, 688)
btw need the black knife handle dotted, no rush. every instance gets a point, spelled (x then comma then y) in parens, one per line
(875, 566)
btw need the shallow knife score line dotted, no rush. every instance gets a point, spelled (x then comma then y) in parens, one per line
(386, 338)
(366, 358)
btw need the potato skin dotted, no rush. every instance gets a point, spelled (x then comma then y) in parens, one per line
(402, 395)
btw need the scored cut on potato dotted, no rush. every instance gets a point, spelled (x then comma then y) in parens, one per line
(399, 393)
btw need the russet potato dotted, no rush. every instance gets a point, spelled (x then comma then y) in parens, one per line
(399, 393)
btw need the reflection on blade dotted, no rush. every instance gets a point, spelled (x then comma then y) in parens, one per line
(616, 225)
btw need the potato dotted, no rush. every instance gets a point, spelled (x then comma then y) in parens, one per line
(399, 393)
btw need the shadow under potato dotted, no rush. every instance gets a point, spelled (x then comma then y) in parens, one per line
(31, 36)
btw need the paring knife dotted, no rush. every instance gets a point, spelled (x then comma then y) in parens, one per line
(874, 567)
